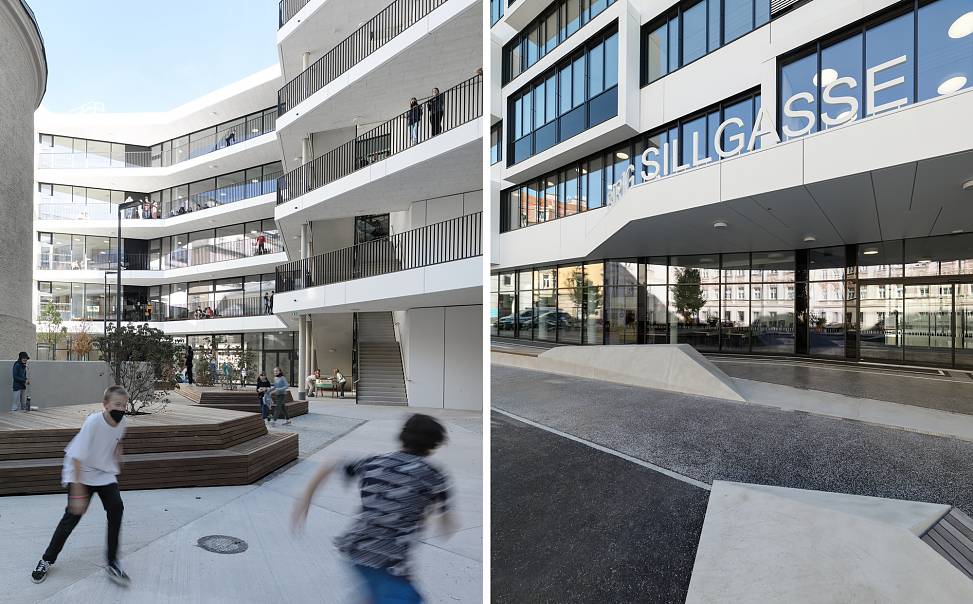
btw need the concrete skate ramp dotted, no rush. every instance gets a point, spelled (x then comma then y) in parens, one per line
(771, 544)
(674, 367)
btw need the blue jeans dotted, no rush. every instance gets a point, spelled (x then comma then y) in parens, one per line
(386, 588)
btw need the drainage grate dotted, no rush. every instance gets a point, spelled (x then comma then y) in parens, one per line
(952, 537)
(222, 544)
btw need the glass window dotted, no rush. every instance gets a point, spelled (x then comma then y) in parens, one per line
(738, 18)
(565, 94)
(658, 53)
(596, 182)
(573, 17)
(611, 61)
(945, 57)
(551, 98)
(596, 70)
(798, 112)
(673, 44)
(550, 32)
(540, 104)
(694, 32)
(695, 128)
(841, 60)
(735, 137)
(890, 42)
(714, 9)
(578, 78)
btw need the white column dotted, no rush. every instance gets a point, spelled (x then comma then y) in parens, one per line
(305, 60)
(306, 150)
(302, 349)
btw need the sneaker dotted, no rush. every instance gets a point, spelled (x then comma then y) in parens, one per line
(287, 423)
(40, 573)
(116, 574)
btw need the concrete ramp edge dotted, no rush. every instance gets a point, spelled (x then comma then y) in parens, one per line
(672, 367)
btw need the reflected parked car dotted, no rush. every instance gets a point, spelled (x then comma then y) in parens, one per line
(554, 319)
(523, 319)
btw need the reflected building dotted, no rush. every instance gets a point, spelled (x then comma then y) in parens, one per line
(744, 177)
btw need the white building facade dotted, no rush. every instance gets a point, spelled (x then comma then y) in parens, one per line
(380, 201)
(199, 244)
(746, 176)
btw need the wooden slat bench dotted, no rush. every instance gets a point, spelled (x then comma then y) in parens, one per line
(187, 445)
(238, 400)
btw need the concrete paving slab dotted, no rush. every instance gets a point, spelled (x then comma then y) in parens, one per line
(166, 566)
(758, 546)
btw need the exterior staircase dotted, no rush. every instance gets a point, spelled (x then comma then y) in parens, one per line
(381, 380)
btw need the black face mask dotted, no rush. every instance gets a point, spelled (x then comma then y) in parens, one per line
(116, 415)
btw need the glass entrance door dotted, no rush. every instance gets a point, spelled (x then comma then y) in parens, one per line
(928, 324)
(964, 325)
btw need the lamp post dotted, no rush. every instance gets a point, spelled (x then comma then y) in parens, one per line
(129, 204)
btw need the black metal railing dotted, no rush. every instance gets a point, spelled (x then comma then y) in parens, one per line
(198, 254)
(286, 9)
(457, 106)
(230, 305)
(446, 241)
(375, 33)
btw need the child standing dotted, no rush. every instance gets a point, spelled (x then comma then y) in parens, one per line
(92, 462)
(398, 490)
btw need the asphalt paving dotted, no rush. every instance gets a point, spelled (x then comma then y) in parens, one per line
(711, 439)
(574, 524)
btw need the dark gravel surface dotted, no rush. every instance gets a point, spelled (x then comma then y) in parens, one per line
(945, 394)
(711, 439)
(573, 524)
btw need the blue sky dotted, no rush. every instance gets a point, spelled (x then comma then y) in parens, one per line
(151, 55)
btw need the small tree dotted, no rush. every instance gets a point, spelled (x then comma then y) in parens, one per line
(247, 366)
(143, 360)
(688, 296)
(82, 343)
(53, 332)
(203, 359)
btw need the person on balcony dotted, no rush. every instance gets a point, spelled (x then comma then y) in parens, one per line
(414, 118)
(436, 111)
(268, 310)
(261, 244)
(230, 138)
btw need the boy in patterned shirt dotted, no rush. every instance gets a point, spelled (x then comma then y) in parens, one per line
(398, 490)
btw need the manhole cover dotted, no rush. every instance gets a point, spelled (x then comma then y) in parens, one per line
(222, 544)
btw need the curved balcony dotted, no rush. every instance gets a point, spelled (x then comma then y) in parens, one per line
(447, 241)
(286, 9)
(459, 105)
(374, 34)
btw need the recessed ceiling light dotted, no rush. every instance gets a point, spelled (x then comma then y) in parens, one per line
(297, 159)
(212, 113)
(719, 224)
(968, 185)
(957, 231)
(962, 27)
(222, 194)
(255, 130)
(706, 261)
(810, 239)
(827, 76)
(621, 155)
(254, 180)
(952, 85)
(924, 260)
(870, 251)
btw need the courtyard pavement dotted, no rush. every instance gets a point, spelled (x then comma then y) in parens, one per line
(697, 439)
(161, 527)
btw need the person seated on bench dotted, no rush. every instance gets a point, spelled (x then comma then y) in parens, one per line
(311, 383)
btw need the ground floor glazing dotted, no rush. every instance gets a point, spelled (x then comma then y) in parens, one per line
(904, 301)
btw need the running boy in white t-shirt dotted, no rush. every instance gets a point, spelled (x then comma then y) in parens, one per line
(92, 462)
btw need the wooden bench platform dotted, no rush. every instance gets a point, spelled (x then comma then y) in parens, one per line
(186, 445)
(238, 400)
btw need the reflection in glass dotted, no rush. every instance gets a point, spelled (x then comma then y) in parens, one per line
(945, 60)
(891, 42)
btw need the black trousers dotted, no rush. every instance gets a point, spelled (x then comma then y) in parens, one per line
(111, 500)
(189, 372)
